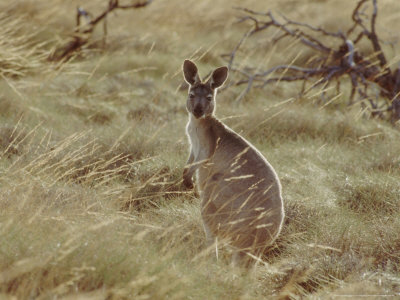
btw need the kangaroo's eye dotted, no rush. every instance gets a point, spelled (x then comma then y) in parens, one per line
(209, 98)
(191, 96)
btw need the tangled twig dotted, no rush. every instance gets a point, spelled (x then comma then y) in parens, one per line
(83, 33)
(366, 74)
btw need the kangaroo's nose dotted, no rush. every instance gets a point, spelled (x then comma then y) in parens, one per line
(198, 111)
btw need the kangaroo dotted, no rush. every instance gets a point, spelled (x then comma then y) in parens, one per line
(240, 192)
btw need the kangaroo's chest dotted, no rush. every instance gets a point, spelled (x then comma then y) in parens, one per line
(199, 142)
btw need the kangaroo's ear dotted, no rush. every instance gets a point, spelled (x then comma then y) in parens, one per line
(218, 77)
(190, 72)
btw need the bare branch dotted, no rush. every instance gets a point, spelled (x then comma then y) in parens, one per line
(356, 18)
(315, 29)
(350, 58)
(370, 77)
(303, 37)
(233, 53)
(83, 33)
(374, 39)
(136, 5)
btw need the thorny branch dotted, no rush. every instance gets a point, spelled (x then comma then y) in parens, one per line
(367, 74)
(83, 33)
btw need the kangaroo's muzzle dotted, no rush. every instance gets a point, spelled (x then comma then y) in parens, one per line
(198, 112)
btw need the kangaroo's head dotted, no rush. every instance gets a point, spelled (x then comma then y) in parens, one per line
(201, 99)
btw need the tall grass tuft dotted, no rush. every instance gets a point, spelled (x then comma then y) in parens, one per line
(20, 54)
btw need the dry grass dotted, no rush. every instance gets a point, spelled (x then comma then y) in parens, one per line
(20, 53)
(92, 151)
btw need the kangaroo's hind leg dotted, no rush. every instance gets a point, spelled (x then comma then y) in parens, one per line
(208, 211)
(210, 237)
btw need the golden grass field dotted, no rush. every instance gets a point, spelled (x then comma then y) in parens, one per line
(92, 151)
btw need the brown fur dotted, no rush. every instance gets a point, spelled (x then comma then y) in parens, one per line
(240, 191)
